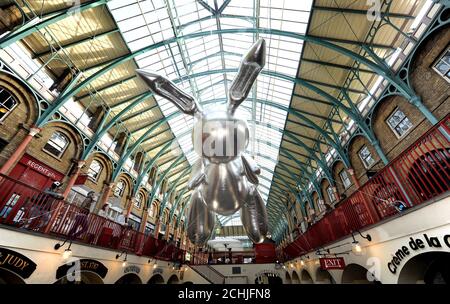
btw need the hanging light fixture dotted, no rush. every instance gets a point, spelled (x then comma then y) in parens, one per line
(67, 254)
(302, 262)
(125, 262)
(356, 247)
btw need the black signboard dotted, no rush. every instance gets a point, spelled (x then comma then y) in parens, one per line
(16, 262)
(85, 265)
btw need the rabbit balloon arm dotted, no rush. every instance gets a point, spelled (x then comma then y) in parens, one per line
(201, 220)
(198, 175)
(249, 69)
(254, 217)
(163, 87)
(251, 169)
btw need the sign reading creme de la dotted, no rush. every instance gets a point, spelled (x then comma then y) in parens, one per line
(16, 262)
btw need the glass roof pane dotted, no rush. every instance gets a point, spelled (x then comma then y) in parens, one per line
(146, 22)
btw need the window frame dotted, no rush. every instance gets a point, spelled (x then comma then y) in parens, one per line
(437, 61)
(138, 202)
(331, 195)
(95, 179)
(64, 148)
(343, 180)
(393, 128)
(366, 165)
(11, 96)
(122, 190)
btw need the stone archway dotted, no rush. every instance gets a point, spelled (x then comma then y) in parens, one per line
(426, 268)
(287, 278)
(295, 278)
(128, 279)
(324, 277)
(8, 277)
(173, 280)
(355, 274)
(86, 277)
(156, 279)
(305, 277)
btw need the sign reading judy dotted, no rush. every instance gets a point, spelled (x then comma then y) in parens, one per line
(416, 244)
(332, 263)
(16, 262)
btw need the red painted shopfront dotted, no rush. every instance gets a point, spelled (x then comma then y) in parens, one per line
(34, 173)
(27, 180)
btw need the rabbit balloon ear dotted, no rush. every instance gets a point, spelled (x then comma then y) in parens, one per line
(250, 67)
(163, 87)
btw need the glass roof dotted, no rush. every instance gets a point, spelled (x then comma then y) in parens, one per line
(146, 22)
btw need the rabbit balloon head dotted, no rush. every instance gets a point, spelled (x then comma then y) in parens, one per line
(218, 135)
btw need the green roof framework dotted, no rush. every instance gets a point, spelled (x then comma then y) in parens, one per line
(312, 92)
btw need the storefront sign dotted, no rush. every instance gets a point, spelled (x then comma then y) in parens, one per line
(85, 265)
(132, 268)
(414, 244)
(40, 167)
(16, 262)
(332, 263)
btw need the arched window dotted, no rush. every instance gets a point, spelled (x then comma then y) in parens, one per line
(94, 170)
(152, 210)
(57, 144)
(119, 189)
(138, 200)
(7, 103)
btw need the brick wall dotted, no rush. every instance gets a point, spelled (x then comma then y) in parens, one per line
(73, 151)
(323, 187)
(14, 127)
(337, 168)
(360, 171)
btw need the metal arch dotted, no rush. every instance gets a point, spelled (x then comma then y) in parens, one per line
(160, 180)
(332, 143)
(124, 157)
(32, 26)
(387, 74)
(174, 186)
(102, 130)
(149, 166)
(175, 205)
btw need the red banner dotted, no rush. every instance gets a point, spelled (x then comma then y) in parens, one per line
(332, 263)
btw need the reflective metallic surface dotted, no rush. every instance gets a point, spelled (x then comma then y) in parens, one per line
(224, 179)
(225, 189)
(201, 220)
(254, 216)
(166, 88)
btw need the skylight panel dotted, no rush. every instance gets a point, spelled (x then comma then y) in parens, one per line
(147, 22)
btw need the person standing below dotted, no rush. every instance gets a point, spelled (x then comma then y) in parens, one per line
(81, 219)
(103, 212)
(41, 205)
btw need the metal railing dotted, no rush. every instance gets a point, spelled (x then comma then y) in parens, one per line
(30, 209)
(420, 173)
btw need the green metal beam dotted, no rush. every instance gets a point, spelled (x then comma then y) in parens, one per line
(360, 12)
(40, 23)
(402, 87)
(335, 65)
(102, 130)
(74, 43)
(109, 86)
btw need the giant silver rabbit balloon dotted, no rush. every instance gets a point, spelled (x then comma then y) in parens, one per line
(224, 179)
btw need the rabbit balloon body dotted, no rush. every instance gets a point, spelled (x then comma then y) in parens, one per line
(224, 179)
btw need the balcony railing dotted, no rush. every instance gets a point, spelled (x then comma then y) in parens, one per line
(417, 175)
(30, 209)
